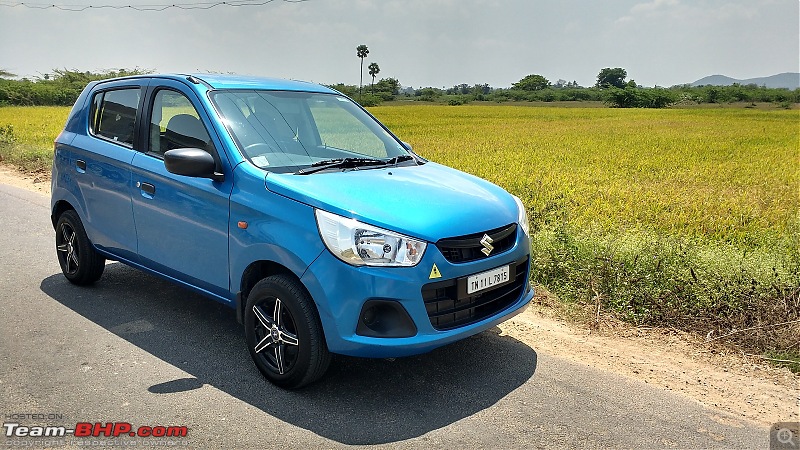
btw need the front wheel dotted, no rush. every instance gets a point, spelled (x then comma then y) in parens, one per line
(283, 333)
(79, 261)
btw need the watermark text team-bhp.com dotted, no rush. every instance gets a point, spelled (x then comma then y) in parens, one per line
(33, 429)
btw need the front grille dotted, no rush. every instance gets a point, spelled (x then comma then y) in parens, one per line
(468, 248)
(449, 306)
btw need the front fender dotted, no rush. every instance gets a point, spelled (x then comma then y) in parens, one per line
(265, 226)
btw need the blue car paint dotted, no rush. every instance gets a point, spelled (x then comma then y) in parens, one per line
(428, 202)
(290, 238)
(342, 290)
(162, 221)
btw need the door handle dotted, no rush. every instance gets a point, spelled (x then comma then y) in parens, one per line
(148, 188)
(81, 165)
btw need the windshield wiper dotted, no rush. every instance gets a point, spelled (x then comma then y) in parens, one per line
(342, 163)
(400, 158)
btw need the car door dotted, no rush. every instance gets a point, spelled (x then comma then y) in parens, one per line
(181, 222)
(99, 164)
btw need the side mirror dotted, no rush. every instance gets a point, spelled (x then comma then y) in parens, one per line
(406, 145)
(191, 162)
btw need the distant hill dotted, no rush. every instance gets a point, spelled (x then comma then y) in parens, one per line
(788, 80)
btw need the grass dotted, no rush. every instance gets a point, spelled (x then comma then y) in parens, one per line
(675, 217)
(27, 134)
(785, 359)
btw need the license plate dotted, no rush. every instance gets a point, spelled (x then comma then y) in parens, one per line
(485, 280)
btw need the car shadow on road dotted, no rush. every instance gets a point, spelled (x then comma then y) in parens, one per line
(359, 401)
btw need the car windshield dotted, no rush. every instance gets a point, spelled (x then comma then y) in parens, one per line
(285, 131)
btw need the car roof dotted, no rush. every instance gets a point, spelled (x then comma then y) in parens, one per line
(223, 81)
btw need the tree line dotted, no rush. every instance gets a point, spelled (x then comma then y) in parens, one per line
(59, 88)
(611, 88)
(62, 87)
(626, 97)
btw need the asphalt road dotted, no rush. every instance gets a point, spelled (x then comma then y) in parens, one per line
(133, 348)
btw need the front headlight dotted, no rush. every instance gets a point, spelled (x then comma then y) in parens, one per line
(522, 217)
(360, 244)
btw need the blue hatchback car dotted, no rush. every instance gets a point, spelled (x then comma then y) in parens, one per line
(292, 204)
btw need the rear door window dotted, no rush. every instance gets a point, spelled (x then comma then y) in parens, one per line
(114, 115)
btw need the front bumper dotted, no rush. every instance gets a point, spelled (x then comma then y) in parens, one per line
(340, 291)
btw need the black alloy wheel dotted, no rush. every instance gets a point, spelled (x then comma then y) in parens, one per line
(79, 261)
(276, 334)
(283, 333)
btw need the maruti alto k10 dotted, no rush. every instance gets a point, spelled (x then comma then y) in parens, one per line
(292, 204)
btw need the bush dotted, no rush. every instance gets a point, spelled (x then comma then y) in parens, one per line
(7, 136)
(652, 279)
(367, 100)
(457, 100)
(634, 97)
(428, 94)
(348, 90)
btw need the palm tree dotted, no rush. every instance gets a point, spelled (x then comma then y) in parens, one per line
(361, 51)
(373, 70)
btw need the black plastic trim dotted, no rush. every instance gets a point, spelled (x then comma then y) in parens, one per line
(449, 306)
(462, 249)
(385, 319)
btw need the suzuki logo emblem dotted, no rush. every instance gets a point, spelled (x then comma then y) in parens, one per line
(486, 241)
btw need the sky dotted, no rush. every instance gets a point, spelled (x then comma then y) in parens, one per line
(437, 43)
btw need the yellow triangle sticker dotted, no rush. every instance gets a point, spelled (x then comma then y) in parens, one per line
(435, 272)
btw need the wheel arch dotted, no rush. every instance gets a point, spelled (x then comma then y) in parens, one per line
(255, 272)
(59, 208)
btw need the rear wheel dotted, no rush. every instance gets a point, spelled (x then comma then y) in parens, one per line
(283, 333)
(79, 261)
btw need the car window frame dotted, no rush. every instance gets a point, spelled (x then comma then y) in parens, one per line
(101, 90)
(149, 116)
(143, 132)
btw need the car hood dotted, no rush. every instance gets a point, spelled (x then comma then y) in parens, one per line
(429, 202)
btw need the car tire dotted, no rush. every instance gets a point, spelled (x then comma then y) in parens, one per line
(284, 334)
(79, 261)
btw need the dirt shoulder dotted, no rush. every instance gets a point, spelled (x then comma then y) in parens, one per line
(746, 387)
(36, 182)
